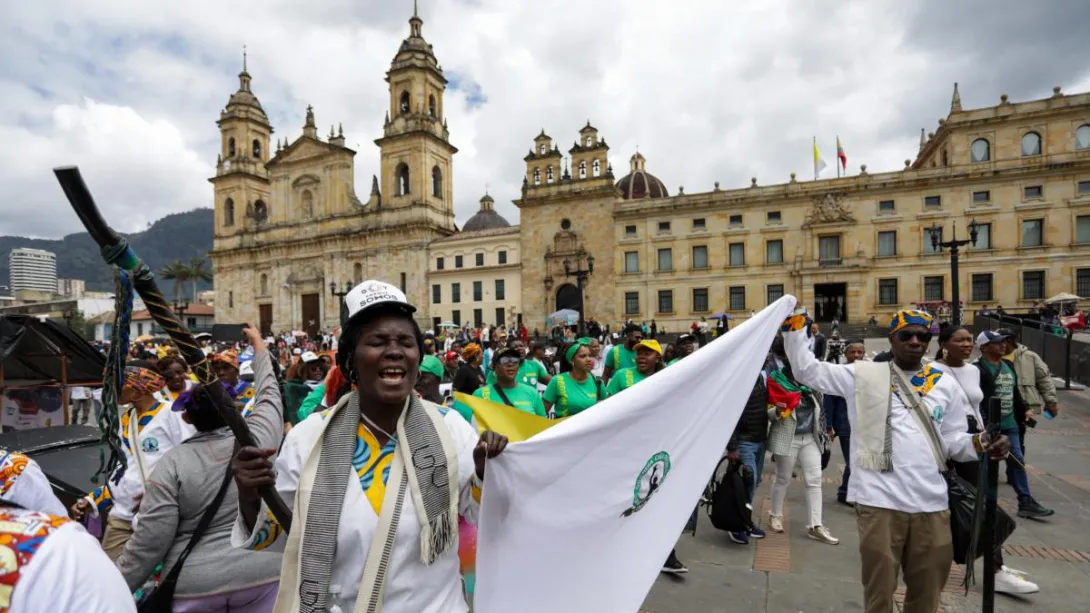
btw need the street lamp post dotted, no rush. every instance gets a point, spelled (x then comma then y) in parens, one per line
(580, 273)
(180, 307)
(342, 309)
(954, 245)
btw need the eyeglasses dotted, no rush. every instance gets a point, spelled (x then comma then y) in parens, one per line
(906, 335)
(508, 360)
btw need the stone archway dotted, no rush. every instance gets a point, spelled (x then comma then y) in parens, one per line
(567, 297)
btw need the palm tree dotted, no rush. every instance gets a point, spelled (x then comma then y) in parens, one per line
(178, 272)
(198, 271)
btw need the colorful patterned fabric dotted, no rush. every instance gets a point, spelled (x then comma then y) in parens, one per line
(144, 380)
(471, 351)
(794, 323)
(144, 419)
(923, 381)
(102, 498)
(467, 555)
(370, 458)
(22, 533)
(267, 534)
(11, 466)
(903, 319)
(229, 357)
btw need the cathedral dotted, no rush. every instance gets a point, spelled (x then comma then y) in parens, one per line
(292, 236)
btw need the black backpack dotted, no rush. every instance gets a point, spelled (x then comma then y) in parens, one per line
(727, 499)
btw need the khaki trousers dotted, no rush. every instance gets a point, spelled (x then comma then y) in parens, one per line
(117, 533)
(918, 543)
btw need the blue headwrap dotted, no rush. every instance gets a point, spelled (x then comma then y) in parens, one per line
(903, 319)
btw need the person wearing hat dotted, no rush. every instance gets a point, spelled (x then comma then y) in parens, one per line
(431, 374)
(648, 362)
(415, 467)
(507, 387)
(1034, 382)
(227, 369)
(50, 563)
(531, 372)
(998, 379)
(686, 344)
(575, 389)
(186, 482)
(624, 355)
(148, 430)
(451, 361)
(470, 375)
(906, 424)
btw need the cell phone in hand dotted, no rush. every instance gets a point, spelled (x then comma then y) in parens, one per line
(228, 333)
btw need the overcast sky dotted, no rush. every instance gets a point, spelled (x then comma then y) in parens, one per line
(709, 90)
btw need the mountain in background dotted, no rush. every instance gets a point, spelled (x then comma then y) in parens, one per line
(179, 236)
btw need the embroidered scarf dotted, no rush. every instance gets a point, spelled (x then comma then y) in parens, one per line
(431, 467)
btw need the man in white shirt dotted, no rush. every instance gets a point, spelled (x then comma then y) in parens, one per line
(81, 404)
(902, 507)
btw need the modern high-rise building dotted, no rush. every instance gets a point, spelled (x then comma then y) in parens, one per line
(33, 269)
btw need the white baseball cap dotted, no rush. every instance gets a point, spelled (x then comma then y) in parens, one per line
(374, 293)
(309, 356)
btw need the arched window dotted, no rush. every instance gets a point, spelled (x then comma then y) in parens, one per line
(257, 149)
(261, 211)
(404, 103)
(231, 147)
(229, 212)
(264, 284)
(541, 149)
(549, 174)
(357, 273)
(1082, 137)
(583, 169)
(589, 141)
(1031, 144)
(537, 176)
(981, 150)
(431, 107)
(596, 168)
(436, 182)
(401, 177)
(308, 203)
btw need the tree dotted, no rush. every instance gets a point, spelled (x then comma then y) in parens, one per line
(198, 271)
(178, 272)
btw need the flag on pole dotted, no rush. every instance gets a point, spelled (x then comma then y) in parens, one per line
(595, 503)
(819, 164)
(843, 157)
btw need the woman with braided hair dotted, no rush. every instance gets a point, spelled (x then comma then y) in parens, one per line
(380, 463)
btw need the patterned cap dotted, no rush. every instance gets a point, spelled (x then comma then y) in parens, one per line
(903, 319)
(143, 380)
(227, 357)
(471, 351)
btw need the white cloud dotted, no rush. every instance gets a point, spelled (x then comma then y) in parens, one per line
(709, 90)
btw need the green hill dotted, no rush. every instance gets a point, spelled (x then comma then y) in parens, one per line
(181, 236)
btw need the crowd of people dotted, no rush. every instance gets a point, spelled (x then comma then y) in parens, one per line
(185, 520)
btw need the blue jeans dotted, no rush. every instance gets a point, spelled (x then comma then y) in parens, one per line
(1019, 480)
(753, 456)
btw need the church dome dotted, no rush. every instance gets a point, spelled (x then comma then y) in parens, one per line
(487, 218)
(244, 97)
(639, 183)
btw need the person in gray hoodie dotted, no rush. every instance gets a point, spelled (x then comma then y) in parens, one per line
(216, 576)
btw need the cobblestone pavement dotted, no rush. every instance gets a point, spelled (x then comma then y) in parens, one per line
(790, 573)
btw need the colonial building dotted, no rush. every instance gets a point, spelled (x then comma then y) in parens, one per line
(289, 223)
(475, 275)
(856, 246)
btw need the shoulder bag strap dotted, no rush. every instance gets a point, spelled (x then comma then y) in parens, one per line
(205, 523)
(909, 395)
(598, 386)
(499, 390)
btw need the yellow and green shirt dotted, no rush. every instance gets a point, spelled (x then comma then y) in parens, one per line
(620, 357)
(523, 397)
(569, 396)
(530, 372)
(624, 379)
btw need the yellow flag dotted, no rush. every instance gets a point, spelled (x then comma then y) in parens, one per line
(516, 425)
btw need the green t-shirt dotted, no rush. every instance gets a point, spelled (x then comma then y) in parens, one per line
(569, 396)
(673, 361)
(1004, 391)
(620, 357)
(624, 379)
(524, 398)
(530, 372)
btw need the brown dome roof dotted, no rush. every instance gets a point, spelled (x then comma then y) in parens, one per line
(639, 183)
(487, 218)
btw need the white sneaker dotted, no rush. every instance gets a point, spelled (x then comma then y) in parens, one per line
(1021, 573)
(821, 533)
(775, 522)
(1009, 582)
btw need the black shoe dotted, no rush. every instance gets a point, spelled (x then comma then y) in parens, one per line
(674, 566)
(1031, 509)
(843, 499)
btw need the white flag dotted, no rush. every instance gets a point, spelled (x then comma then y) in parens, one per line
(819, 162)
(581, 517)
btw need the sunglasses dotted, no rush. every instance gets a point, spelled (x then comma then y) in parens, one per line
(509, 361)
(906, 335)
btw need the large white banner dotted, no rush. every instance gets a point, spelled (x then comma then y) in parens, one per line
(581, 517)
